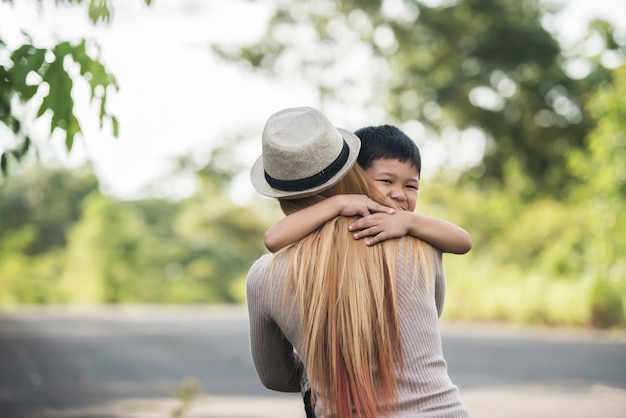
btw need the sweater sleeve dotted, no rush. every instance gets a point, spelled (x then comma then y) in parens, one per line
(272, 353)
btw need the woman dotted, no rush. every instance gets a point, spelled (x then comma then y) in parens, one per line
(363, 319)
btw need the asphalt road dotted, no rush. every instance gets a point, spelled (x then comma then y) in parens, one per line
(130, 362)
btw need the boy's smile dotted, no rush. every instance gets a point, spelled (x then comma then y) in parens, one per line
(397, 180)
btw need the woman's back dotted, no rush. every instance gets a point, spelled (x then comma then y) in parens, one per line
(423, 386)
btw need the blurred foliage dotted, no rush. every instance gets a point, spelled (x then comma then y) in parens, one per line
(546, 261)
(72, 244)
(482, 64)
(43, 78)
(545, 232)
(538, 261)
(601, 172)
(28, 205)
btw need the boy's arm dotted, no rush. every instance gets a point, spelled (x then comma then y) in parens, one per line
(442, 234)
(299, 224)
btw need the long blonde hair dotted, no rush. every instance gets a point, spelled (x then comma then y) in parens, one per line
(346, 295)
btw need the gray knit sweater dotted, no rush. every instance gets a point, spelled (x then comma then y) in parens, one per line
(425, 389)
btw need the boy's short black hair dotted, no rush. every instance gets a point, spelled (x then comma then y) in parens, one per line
(387, 142)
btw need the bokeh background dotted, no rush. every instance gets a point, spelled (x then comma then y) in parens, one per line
(127, 129)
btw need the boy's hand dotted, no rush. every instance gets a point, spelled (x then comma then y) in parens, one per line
(361, 205)
(380, 226)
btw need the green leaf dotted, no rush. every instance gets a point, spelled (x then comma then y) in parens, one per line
(116, 126)
(23, 149)
(17, 79)
(72, 129)
(62, 49)
(99, 11)
(93, 70)
(100, 80)
(26, 59)
(59, 99)
(16, 125)
(3, 163)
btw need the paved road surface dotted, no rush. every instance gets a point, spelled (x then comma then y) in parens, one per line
(130, 362)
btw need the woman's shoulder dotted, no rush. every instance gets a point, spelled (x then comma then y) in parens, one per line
(258, 274)
(263, 260)
(264, 268)
(260, 265)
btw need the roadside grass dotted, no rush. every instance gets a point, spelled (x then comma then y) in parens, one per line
(480, 290)
(185, 393)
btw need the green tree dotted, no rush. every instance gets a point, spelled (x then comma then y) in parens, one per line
(45, 201)
(546, 261)
(63, 241)
(102, 257)
(41, 77)
(27, 278)
(483, 64)
(37, 210)
(223, 238)
(601, 195)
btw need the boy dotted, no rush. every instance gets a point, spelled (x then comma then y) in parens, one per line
(393, 161)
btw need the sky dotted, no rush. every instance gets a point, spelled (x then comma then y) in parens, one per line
(175, 97)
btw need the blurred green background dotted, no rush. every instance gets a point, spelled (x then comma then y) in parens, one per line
(544, 203)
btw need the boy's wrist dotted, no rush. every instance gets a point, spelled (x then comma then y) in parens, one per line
(336, 204)
(415, 222)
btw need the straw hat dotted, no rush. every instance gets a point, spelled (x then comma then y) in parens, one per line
(303, 154)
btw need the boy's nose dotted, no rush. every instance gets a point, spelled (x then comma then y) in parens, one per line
(397, 195)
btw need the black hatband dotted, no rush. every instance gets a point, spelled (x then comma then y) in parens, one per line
(314, 180)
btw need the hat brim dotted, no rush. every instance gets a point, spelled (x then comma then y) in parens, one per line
(257, 173)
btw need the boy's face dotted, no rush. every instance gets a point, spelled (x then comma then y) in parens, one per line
(397, 180)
